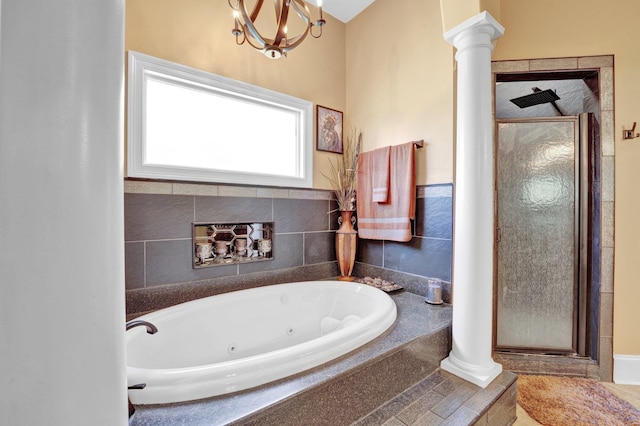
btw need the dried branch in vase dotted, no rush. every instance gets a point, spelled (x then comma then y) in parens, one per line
(345, 172)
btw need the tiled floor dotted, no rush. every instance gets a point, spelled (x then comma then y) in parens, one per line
(630, 393)
(444, 399)
(627, 392)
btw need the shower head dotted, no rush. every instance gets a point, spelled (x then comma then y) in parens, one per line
(536, 98)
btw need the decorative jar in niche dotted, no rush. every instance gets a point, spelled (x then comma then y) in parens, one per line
(221, 248)
(241, 247)
(204, 251)
(264, 247)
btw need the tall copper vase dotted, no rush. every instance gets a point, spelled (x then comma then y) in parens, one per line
(346, 239)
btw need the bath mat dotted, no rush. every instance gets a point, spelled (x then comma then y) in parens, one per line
(572, 401)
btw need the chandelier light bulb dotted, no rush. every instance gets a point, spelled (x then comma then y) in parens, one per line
(236, 31)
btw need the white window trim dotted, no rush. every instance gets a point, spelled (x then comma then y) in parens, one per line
(141, 65)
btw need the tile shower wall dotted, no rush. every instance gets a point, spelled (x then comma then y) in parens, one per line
(158, 247)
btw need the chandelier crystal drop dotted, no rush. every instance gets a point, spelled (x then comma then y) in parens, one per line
(245, 25)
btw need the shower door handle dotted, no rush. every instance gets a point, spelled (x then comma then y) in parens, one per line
(498, 235)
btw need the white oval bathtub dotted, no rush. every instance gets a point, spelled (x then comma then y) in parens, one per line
(239, 340)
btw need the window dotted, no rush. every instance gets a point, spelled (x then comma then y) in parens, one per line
(187, 124)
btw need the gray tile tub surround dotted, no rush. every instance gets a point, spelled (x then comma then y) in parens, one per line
(143, 300)
(416, 321)
(158, 234)
(429, 253)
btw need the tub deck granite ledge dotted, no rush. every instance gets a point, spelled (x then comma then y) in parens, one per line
(370, 385)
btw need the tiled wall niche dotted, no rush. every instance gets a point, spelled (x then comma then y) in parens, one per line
(221, 244)
(158, 240)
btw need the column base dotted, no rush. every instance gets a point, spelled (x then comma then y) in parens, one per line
(476, 375)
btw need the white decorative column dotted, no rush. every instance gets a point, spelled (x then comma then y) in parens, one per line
(470, 357)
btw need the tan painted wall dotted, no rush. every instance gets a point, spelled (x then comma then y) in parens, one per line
(626, 315)
(400, 82)
(550, 28)
(493, 7)
(455, 12)
(197, 33)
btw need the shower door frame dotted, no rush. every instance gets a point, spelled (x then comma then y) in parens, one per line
(601, 70)
(581, 236)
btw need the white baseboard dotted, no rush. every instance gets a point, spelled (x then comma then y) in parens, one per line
(626, 369)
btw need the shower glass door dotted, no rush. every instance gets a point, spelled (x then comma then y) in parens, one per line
(537, 179)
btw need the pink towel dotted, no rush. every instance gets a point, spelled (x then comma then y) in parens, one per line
(391, 220)
(380, 175)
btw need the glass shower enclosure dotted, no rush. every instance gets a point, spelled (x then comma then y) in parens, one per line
(542, 216)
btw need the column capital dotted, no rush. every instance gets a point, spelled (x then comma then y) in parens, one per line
(482, 23)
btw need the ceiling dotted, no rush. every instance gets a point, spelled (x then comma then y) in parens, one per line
(344, 10)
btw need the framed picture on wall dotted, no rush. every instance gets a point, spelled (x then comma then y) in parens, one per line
(328, 129)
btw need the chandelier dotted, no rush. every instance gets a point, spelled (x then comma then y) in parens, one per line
(245, 28)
